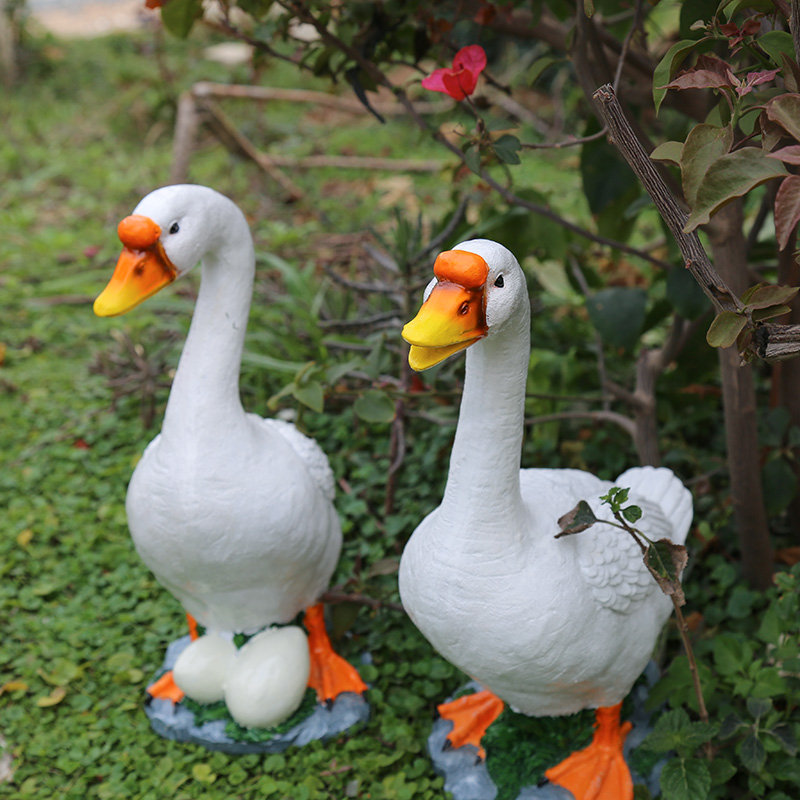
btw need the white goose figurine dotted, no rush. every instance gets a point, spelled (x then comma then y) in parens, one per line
(232, 513)
(550, 626)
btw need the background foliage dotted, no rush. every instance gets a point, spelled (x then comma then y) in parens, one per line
(88, 133)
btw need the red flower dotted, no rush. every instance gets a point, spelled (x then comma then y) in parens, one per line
(461, 80)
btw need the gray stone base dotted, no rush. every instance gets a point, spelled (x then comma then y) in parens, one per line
(175, 721)
(467, 777)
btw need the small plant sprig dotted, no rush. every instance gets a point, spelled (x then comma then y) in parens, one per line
(664, 559)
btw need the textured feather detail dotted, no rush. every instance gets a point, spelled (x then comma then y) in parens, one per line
(610, 560)
(310, 453)
(611, 564)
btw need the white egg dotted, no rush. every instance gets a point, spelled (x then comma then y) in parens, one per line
(201, 668)
(267, 681)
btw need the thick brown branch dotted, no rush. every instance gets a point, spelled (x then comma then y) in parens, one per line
(772, 342)
(622, 136)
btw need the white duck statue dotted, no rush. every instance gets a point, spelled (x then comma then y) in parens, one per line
(232, 513)
(549, 626)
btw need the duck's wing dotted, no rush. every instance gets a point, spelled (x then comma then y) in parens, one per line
(610, 559)
(309, 452)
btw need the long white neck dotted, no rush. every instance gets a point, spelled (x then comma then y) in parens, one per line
(205, 393)
(483, 485)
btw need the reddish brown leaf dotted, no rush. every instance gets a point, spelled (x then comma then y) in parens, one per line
(700, 79)
(787, 209)
(579, 519)
(785, 110)
(788, 555)
(766, 296)
(791, 73)
(755, 79)
(789, 155)
(771, 132)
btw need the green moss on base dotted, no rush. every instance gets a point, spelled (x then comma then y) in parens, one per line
(520, 748)
(214, 711)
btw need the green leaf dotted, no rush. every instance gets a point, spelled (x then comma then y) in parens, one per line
(775, 43)
(310, 394)
(785, 111)
(730, 725)
(506, 147)
(731, 655)
(674, 731)
(752, 753)
(667, 67)
(579, 519)
(769, 683)
(765, 296)
(727, 325)
(721, 771)
(618, 314)
(785, 737)
(685, 294)
(762, 314)
(539, 66)
(665, 561)
(179, 16)
(203, 773)
(704, 145)
(472, 158)
(588, 8)
(770, 629)
(757, 707)
(685, 779)
(668, 151)
(375, 406)
(779, 482)
(632, 513)
(256, 8)
(731, 176)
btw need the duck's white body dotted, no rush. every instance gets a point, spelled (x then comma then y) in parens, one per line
(231, 512)
(549, 625)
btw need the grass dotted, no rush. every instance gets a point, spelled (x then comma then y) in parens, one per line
(84, 622)
(85, 625)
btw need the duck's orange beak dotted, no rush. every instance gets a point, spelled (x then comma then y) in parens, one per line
(453, 317)
(143, 268)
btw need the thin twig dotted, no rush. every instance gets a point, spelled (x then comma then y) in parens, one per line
(683, 629)
(566, 143)
(637, 20)
(601, 361)
(332, 597)
(380, 78)
(596, 416)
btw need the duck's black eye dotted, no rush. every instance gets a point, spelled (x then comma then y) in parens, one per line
(174, 228)
(499, 283)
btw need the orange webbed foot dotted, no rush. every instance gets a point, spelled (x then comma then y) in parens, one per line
(330, 675)
(599, 771)
(165, 688)
(471, 715)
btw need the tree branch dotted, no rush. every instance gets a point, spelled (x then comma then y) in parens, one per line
(381, 79)
(771, 342)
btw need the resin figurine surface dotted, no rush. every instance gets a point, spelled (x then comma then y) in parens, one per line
(549, 626)
(232, 513)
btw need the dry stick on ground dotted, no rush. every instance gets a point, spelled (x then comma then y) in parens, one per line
(737, 382)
